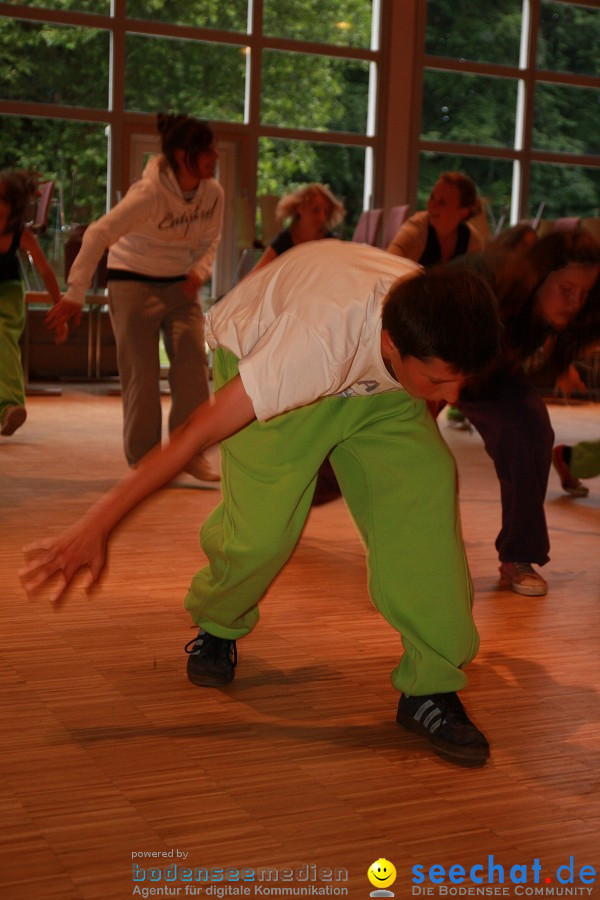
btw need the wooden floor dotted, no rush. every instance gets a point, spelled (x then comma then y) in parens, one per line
(107, 751)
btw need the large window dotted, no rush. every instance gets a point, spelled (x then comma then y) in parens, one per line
(78, 167)
(102, 7)
(489, 33)
(514, 85)
(312, 90)
(565, 119)
(343, 22)
(303, 90)
(39, 61)
(569, 36)
(80, 79)
(204, 79)
(563, 190)
(474, 109)
(230, 16)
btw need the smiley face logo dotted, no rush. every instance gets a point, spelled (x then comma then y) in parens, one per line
(382, 873)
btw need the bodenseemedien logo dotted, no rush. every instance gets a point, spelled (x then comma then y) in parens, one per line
(179, 880)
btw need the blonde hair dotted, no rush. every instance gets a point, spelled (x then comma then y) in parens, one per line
(287, 208)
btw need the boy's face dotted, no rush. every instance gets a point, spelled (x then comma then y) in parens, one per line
(431, 379)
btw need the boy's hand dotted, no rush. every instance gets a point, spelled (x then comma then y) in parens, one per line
(80, 546)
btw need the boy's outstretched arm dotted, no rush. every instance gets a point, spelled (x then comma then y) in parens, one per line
(83, 544)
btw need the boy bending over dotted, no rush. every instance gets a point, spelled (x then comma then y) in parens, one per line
(332, 349)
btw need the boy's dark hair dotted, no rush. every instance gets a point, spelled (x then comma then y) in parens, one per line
(193, 136)
(19, 189)
(446, 313)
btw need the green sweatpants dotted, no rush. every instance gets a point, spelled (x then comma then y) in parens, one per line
(585, 459)
(12, 321)
(399, 481)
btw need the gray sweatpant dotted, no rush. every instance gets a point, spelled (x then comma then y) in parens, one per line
(140, 312)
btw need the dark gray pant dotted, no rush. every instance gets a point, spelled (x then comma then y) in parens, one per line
(515, 426)
(140, 312)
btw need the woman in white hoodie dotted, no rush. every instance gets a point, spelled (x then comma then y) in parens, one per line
(162, 238)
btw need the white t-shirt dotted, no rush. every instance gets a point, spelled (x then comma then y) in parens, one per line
(308, 325)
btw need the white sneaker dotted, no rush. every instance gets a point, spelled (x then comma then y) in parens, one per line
(460, 425)
(13, 418)
(456, 420)
(569, 482)
(201, 469)
(522, 579)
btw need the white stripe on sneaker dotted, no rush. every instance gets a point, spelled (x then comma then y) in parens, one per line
(433, 721)
(423, 709)
(429, 716)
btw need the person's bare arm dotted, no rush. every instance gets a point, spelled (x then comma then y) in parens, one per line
(268, 256)
(409, 242)
(83, 544)
(29, 242)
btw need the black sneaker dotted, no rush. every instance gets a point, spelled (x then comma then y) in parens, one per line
(441, 718)
(211, 660)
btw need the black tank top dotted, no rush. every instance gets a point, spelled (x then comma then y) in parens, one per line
(432, 253)
(9, 263)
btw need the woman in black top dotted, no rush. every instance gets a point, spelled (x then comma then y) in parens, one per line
(312, 212)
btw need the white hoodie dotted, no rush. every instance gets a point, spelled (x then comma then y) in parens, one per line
(153, 231)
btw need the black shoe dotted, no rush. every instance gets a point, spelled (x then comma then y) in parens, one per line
(442, 719)
(211, 660)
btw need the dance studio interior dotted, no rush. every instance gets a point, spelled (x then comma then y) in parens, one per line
(121, 778)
